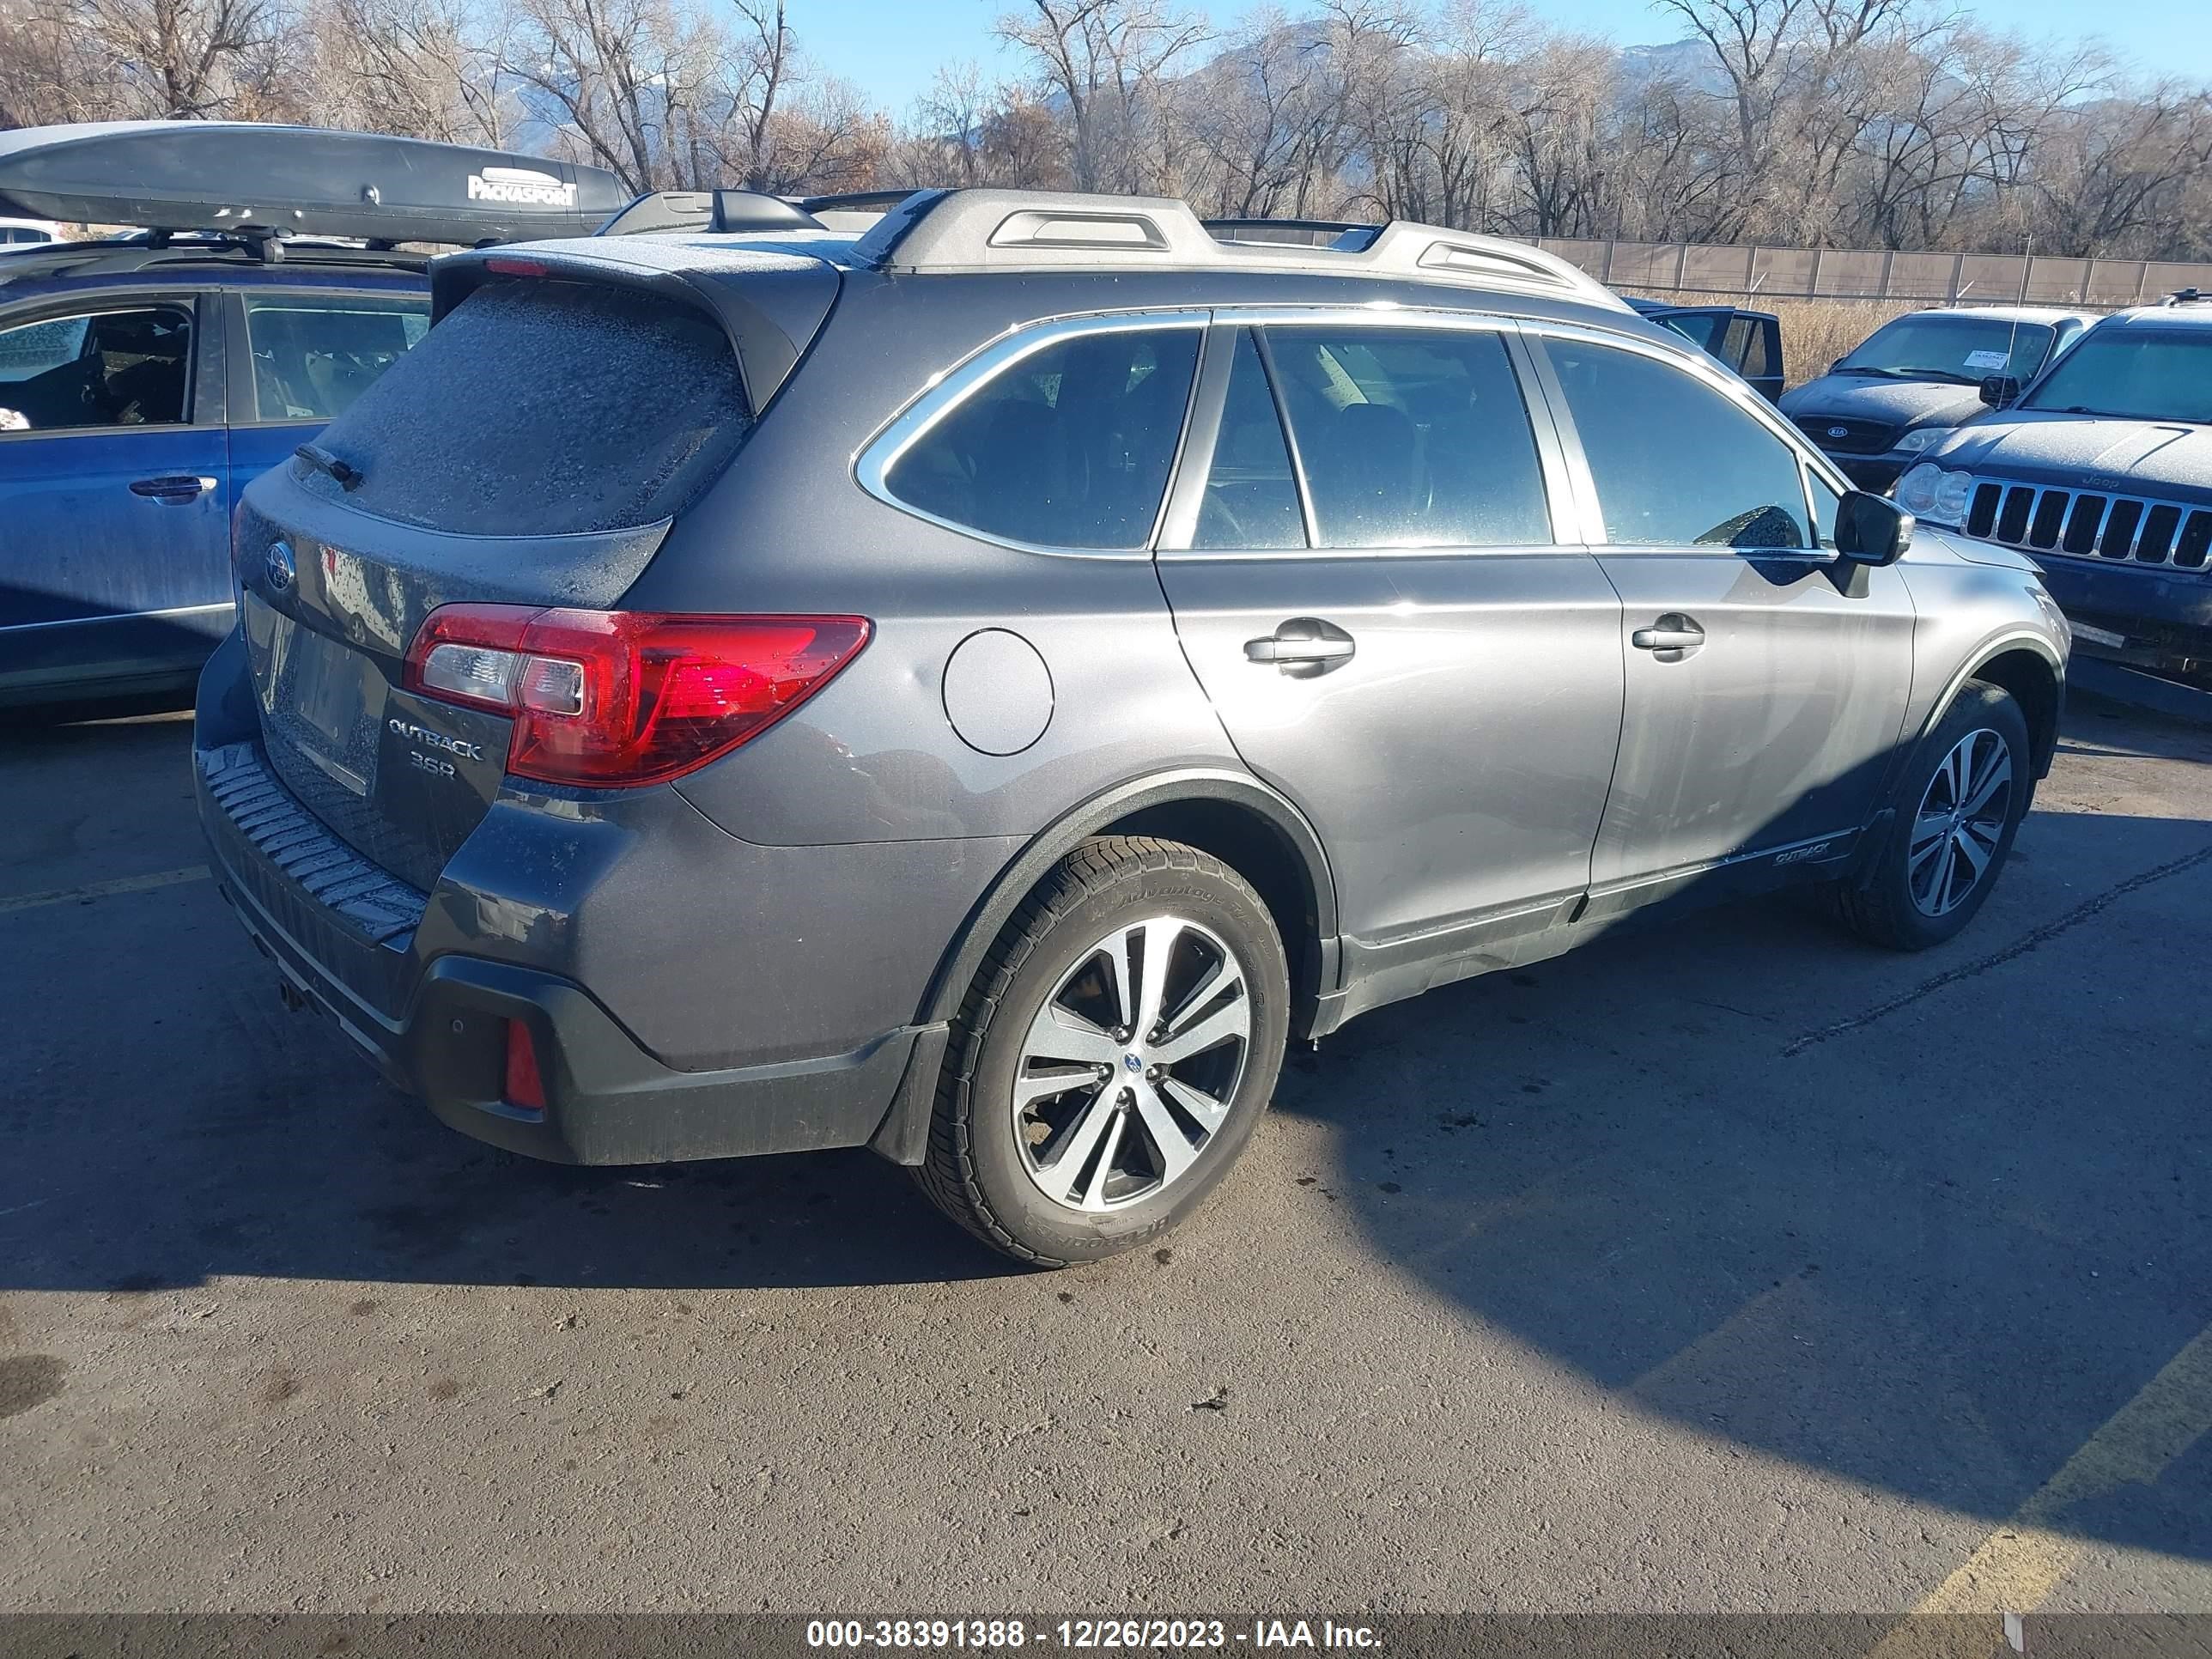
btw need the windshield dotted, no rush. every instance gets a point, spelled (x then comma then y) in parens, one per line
(1960, 349)
(2142, 376)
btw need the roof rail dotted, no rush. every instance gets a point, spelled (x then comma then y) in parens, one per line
(1281, 231)
(716, 211)
(1013, 230)
(2187, 296)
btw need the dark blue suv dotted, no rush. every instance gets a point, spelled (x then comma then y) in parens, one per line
(145, 381)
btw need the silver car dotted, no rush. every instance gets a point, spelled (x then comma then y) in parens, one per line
(977, 681)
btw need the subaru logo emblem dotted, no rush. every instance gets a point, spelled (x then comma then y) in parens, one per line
(279, 567)
(1133, 1062)
(1839, 432)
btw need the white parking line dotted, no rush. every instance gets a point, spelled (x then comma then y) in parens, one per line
(97, 890)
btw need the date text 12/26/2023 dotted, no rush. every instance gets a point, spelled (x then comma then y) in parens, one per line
(1085, 1635)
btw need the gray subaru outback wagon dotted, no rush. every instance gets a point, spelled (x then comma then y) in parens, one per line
(977, 683)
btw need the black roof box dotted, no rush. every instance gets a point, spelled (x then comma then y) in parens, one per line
(305, 182)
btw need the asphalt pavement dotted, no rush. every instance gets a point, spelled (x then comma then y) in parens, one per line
(1733, 1265)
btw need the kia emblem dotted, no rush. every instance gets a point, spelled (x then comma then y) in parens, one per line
(1839, 432)
(279, 567)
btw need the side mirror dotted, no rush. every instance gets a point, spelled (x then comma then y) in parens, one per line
(2001, 391)
(1872, 528)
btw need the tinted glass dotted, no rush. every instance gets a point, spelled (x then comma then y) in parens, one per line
(108, 368)
(1675, 463)
(545, 408)
(1069, 447)
(313, 356)
(1706, 330)
(2127, 371)
(1251, 499)
(1963, 350)
(1411, 437)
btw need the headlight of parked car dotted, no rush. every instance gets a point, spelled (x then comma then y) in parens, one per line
(1936, 494)
(1922, 437)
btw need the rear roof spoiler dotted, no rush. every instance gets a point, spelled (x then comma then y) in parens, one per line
(295, 181)
(770, 305)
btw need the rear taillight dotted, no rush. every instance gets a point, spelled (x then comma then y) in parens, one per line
(613, 698)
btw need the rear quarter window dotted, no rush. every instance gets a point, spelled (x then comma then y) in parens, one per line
(1069, 445)
(540, 408)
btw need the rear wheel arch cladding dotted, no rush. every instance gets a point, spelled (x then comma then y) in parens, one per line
(1156, 806)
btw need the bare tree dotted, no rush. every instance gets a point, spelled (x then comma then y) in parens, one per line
(1103, 59)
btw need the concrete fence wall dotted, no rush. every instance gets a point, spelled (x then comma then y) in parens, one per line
(1846, 274)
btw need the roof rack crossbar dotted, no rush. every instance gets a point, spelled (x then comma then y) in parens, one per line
(975, 230)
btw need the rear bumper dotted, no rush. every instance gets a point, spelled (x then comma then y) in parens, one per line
(343, 934)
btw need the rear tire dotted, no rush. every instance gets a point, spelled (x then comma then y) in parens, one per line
(1107, 1065)
(1957, 809)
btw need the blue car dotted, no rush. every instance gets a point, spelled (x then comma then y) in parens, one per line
(145, 381)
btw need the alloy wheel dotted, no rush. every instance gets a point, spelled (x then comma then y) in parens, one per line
(1132, 1065)
(1961, 821)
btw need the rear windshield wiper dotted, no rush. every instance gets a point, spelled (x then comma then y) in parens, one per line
(344, 473)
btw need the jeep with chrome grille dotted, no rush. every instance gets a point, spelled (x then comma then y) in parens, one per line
(2101, 471)
(975, 678)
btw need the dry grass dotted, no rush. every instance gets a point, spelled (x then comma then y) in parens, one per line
(1814, 333)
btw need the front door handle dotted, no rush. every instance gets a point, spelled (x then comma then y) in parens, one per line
(1303, 647)
(1672, 632)
(176, 491)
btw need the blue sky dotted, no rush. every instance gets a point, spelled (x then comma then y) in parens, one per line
(891, 48)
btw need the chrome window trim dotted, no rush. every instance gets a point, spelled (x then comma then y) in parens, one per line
(944, 392)
(1703, 368)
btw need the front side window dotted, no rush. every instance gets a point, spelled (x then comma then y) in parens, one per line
(2137, 374)
(312, 357)
(1827, 502)
(1411, 437)
(1675, 462)
(1069, 445)
(103, 368)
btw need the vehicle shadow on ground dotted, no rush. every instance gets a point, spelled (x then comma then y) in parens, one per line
(1922, 1222)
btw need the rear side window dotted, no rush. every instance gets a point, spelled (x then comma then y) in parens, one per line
(1412, 438)
(1068, 447)
(313, 355)
(1675, 462)
(543, 408)
(1251, 498)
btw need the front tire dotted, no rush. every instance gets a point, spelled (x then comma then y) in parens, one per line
(1109, 1063)
(1957, 808)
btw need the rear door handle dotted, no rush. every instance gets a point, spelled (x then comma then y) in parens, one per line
(1303, 647)
(1669, 632)
(176, 491)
